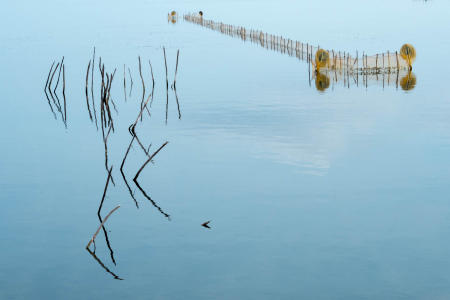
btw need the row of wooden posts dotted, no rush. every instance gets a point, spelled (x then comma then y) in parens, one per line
(388, 62)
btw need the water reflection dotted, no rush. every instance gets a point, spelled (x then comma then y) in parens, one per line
(111, 252)
(408, 82)
(322, 82)
(324, 79)
(150, 159)
(123, 174)
(102, 264)
(60, 68)
(92, 241)
(106, 101)
(104, 116)
(328, 66)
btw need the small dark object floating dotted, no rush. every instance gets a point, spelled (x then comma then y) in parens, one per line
(206, 225)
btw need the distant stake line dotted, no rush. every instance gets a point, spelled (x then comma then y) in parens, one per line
(344, 66)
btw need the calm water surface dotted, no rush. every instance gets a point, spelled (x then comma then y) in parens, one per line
(341, 194)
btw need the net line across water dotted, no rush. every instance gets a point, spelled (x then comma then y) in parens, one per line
(386, 62)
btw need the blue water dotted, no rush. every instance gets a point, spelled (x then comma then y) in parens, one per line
(341, 194)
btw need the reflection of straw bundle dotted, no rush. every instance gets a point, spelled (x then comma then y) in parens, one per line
(324, 78)
(322, 82)
(408, 82)
(382, 63)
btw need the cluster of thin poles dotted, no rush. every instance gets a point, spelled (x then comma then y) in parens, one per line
(104, 117)
(173, 85)
(106, 120)
(107, 126)
(341, 65)
(376, 64)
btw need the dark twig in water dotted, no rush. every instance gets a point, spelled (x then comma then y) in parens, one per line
(140, 112)
(102, 97)
(58, 104)
(114, 105)
(104, 192)
(153, 82)
(45, 90)
(92, 89)
(174, 87)
(167, 85)
(176, 70)
(142, 190)
(142, 146)
(103, 265)
(104, 107)
(49, 104)
(132, 131)
(48, 77)
(151, 70)
(148, 160)
(50, 90)
(132, 128)
(102, 222)
(59, 75)
(143, 84)
(124, 84)
(105, 100)
(105, 97)
(59, 109)
(131, 79)
(64, 93)
(105, 143)
(178, 103)
(109, 98)
(151, 200)
(98, 229)
(106, 153)
(123, 174)
(206, 224)
(87, 93)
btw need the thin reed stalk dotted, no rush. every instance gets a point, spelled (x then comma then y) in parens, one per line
(176, 70)
(167, 85)
(101, 225)
(148, 160)
(86, 90)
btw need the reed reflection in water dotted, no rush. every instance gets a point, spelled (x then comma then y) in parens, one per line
(104, 116)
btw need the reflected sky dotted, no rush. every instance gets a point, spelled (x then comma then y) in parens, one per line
(311, 194)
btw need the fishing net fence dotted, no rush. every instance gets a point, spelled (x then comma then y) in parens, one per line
(343, 62)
